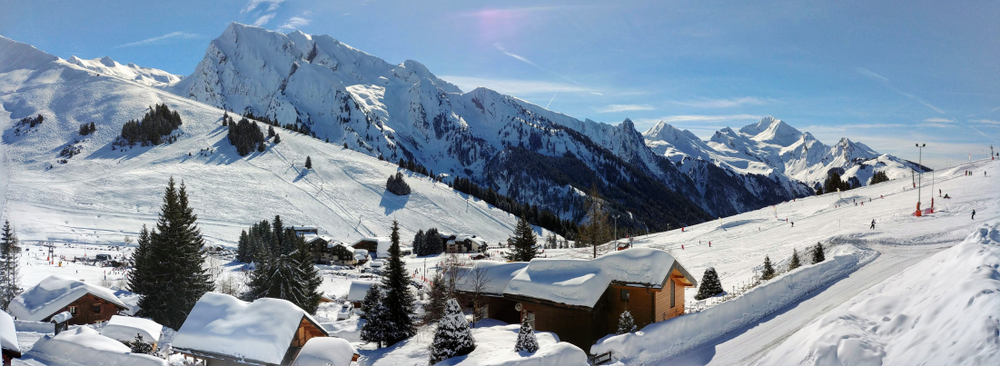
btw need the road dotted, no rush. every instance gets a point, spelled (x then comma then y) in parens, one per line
(747, 345)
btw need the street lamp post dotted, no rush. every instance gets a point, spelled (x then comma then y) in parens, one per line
(920, 177)
(616, 230)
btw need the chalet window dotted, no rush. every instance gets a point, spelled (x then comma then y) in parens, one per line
(673, 294)
(72, 310)
(624, 295)
(97, 308)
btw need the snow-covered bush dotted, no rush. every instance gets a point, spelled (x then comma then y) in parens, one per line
(626, 324)
(526, 340)
(453, 337)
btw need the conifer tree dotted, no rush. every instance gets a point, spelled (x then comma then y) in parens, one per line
(376, 325)
(710, 285)
(270, 131)
(142, 266)
(277, 139)
(626, 324)
(140, 346)
(524, 242)
(768, 272)
(432, 242)
(243, 249)
(794, 263)
(526, 340)
(10, 272)
(434, 309)
(175, 276)
(398, 299)
(453, 337)
(817, 253)
(418, 244)
(309, 163)
(277, 237)
(288, 276)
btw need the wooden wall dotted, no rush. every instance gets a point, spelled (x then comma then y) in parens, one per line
(576, 326)
(85, 310)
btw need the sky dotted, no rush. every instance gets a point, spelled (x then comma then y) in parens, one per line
(886, 73)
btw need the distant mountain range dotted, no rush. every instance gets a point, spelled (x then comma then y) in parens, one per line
(658, 179)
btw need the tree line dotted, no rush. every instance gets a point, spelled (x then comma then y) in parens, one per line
(158, 122)
(244, 135)
(535, 215)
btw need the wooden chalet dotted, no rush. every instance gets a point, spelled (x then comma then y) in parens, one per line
(483, 285)
(582, 300)
(464, 244)
(223, 330)
(9, 347)
(87, 303)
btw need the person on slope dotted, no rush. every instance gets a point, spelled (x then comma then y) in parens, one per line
(873, 224)
(973, 214)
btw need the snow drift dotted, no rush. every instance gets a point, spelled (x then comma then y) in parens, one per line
(83, 346)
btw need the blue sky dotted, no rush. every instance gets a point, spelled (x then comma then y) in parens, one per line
(886, 73)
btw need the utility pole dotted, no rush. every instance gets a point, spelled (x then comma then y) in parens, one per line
(920, 176)
(616, 230)
(991, 152)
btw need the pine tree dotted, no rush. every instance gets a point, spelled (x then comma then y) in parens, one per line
(290, 276)
(277, 237)
(526, 340)
(277, 139)
(432, 242)
(453, 337)
(710, 285)
(794, 263)
(768, 272)
(309, 163)
(311, 279)
(175, 276)
(270, 131)
(817, 253)
(524, 242)
(10, 272)
(243, 248)
(142, 266)
(626, 324)
(375, 312)
(434, 309)
(398, 299)
(418, 244)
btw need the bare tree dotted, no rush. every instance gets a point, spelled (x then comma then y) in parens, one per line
(478, 279)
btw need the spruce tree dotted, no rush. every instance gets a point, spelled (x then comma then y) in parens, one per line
(277, 139)
(290, 276)
(524, 242)
(817, 253)
(398, 299)
(376, 325)
(418, 243)
(142, 266)
(175, 277)
(710, 285)
(311, 278)
(270, 131)
(453, 337)
(526, 340)
(432, 242)
(10, 273)
(277, 237)
(243, 248)
(309, 163)
(434, 309)
(768, 272)
(626, 324)
(794, 263)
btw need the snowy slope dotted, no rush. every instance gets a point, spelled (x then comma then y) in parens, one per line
(775, 149)
(102, 195)
(142, 75)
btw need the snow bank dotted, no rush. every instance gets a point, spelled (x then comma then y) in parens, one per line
(54, 293)
(495, 347)
(34, 327)
(358, 290)
(941, 311)
(8, 336)
(582, 282)
(261, 330)
(125, 328)
(83, 346)
(325, 351)
(496, 275)
(675, 335)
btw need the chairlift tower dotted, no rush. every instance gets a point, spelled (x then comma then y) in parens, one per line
(920, 175)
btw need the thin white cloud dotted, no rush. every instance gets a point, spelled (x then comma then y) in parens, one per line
(515, 86)
(294, 23)
(888, 84)
(272, 5)
(516, 56)
(264, 19)
(724, 103)
(939, 120)
(873, 75)
(986, 121)
(708, 118)
(614, 108)
(180, 35)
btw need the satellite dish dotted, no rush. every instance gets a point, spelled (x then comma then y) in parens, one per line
(518, 307)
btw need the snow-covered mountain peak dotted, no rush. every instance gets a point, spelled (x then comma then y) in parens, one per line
(773, 131)
(107, 61)
(132, 72)
(15, 55)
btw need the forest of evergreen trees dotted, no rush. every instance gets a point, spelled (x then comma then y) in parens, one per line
(535, 215)
(879, 177)
(87, 128)
(284, 265)
(158, 122)
(244, 135)
(396, 185)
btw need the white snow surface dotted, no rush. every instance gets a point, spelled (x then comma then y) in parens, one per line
(358, 290)
(83, 346)
(944, 310)
(54, 293)
(496, 275)
(125, 328)
(8, 335)
(325, 351)
(132, 72)
(261, 330)
(582, 282)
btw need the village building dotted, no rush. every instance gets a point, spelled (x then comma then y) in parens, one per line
(326, 351)
(9, 347)
(484, 283)
(379, 246)
(84, 346)
(582, 300)
(465, 244)
(357, 291)
(223, 330)
(87, 303)
(125, 329)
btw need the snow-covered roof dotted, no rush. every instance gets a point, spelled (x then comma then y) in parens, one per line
(345, 246)
(358, 290)
(125, 328)
(61, 317)
(261, 330)
(84, 346)
(382, 249)
(8, 337)
(53, 294)
(325, 351)
(582, 282)
(496, 276)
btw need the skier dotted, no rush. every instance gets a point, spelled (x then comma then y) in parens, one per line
(873, 224)
(973, 214)
(793, 223)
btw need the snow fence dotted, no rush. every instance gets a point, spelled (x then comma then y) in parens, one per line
(673, 336)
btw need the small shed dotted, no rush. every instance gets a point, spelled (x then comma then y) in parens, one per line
(8, 339)
(326, 351)
(125, 328)
(356, 293)
(223, 330)
(87, 303)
